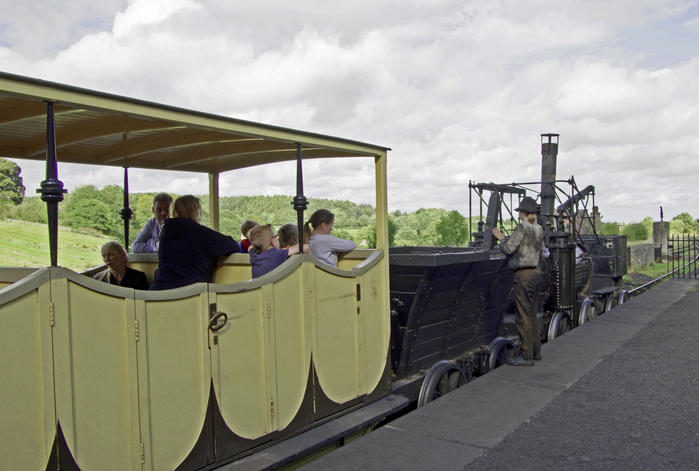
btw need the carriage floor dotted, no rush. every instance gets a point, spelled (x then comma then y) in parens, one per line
(619, 392)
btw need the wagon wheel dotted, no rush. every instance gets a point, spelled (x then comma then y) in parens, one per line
(588, 311)
(499, 350)
(623, 296)
(560, 324)
(611, 303)
(443, 378)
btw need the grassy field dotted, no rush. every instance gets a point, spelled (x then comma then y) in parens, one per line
(25, 244)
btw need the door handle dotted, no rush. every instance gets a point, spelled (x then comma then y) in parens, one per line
(213, 323)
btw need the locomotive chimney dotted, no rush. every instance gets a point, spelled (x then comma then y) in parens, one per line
(549, 153)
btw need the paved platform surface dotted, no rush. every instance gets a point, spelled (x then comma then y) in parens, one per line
(618, 393)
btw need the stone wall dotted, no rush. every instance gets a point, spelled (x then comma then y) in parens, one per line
(641, 255)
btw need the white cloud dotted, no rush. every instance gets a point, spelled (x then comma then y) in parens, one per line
(460, 91)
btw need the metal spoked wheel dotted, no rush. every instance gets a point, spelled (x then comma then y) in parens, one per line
(443, 378)
(560, 324)
(611, 303)
(588, 311)
(499, 350)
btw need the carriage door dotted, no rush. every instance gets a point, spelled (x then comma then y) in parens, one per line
(242, 406)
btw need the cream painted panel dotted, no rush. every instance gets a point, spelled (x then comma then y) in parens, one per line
(174, 377)
(228, 274)
(27, 417)
(335, 320)
(239, 367)
(291, 315)
(93, 334)
(376, 318)
(146, 267)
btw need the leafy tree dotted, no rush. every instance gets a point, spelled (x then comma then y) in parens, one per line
(11, 187)
(610, 228)
(677, 226)
(452, 229)
(369, 233)
(419, 228)
(687, 223)
(91, 213)
(636, 231)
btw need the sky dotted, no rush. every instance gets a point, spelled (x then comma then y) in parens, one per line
(460, 91)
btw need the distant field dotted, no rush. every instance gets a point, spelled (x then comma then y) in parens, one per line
(25, 244)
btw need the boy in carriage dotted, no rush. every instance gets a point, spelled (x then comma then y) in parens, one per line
(265, 254)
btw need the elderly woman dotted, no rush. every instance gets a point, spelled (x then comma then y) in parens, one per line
(188, 252)
(525, 247)
(118, 272)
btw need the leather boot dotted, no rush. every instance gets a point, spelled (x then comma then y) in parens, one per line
(519, 361)
(537, 356)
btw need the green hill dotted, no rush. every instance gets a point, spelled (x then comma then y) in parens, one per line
(26, 244)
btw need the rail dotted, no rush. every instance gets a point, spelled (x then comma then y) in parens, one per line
(657, 280)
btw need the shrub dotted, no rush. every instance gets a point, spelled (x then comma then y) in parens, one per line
(636, 231)
(610, 228)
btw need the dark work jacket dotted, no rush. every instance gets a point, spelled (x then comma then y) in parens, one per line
(188, 253)
(132, 279)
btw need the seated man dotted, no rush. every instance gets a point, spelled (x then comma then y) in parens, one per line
(265, 254)
(147, 240)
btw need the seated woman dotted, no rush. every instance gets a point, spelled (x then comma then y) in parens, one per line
(188, 252)
(117, 272)
(288, 235)
(325, 247)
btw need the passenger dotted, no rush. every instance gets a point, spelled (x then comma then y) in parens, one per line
(325, 247)
(244, 229)
(188, 252)
(117, 272)
(288, 235)
(525, 247)
(265, 254)
(147, 240)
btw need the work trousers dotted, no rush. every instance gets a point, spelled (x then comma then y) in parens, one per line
(527, 282)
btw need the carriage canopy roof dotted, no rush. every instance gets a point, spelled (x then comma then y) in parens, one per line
(103, 129)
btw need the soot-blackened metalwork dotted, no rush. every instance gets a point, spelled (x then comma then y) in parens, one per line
(300, 202)
(126, 212)
(51, 189)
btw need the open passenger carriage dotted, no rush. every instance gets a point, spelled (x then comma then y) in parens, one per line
(98, 377)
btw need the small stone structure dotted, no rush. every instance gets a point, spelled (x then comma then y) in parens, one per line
(661, 231)
(642, 255)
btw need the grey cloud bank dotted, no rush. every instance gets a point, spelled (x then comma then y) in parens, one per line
(459, 91)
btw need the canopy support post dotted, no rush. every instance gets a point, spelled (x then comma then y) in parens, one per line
(214, 213)
(300, 202)
(51, 189)
(126, 212)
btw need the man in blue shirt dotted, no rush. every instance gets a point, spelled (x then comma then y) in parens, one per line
(147, 240)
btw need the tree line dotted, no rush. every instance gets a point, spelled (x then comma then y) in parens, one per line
(92, 210)
(98, 211)
(683, 223)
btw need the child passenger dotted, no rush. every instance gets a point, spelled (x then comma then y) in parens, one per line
(325, 247)
(288, 235)
(265, 254)
(245, 240)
